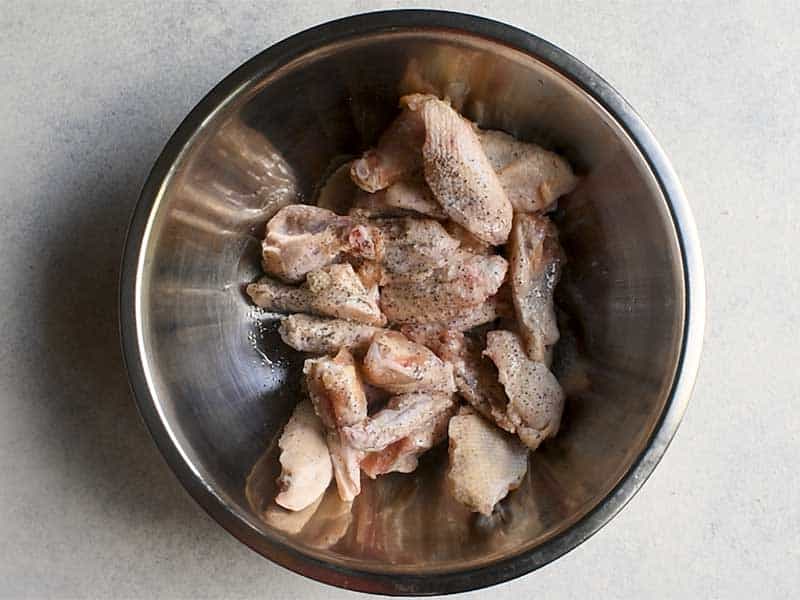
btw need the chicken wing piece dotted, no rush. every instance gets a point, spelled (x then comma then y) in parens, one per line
(346, 465)
(403, 455)
(338, 397)
(405, 198)
(396, 156)
(302, 238)
(532, 177)
(476, 378)
(459, 174)
(474, 316)
(485, 463)
(404, 415)
(535, 399)
(305, 461)
(338, 193)
(468, 241)
(535, 265)
(463, 284)
(398, 365)
(307, 333)
(336, 390)
(413, 248)
(333, 291)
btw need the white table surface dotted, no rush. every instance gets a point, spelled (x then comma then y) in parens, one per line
(89, 93)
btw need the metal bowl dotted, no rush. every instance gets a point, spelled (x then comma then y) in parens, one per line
(215, 385)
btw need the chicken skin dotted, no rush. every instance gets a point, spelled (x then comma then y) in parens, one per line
(301, 239)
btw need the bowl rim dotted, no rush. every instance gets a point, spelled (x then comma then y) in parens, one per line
(597, 88)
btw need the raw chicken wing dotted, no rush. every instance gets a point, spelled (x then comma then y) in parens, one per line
(338, 397)
(336, 389)
(535, 399)
(305, 461)
(316, 335)
(532, 177)
(396, 156)
(535, 267)
(405, 198)
(459, 174)
(398, 365)
(485, 463)
(403, 415)
(346, 465)
(403, 455)
(333, 291)
(476, 379)
(465, 283)
(302, 238)
(413, 248)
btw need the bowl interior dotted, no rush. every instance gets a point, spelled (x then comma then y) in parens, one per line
(224, 384)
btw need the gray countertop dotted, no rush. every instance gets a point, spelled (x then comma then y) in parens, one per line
(90, 91)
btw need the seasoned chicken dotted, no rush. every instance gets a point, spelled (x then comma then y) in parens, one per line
(336, 390)
(338, 192)
(333, 291)
(485, 463)
(339, 399)
(495, 307)
(535, 399)
(535, 268)
(476, 379)
(305, 461)
(346, 465)
(403, 455)
(396, 156)
(302, 238)
(468, 241)
(459, 174)
(316, 335)
(464, 283)
(532, 177)
(403, 415)
(413, 248)
(405, 198)
(398, 365)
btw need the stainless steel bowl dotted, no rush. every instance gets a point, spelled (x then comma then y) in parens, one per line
(215, 385)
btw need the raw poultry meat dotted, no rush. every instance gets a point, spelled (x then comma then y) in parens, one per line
(338, 397)
(413, 249)
(346, 465)
(301, 239)
(476, 379)
(403, 415)
(318, 335)
(305, 461)
(421, 287)
(459, 174)
(333, 291)
(495, 307)
(403, 455)
(485, 462)
(336, 390)
(532, 177)
(535, 399)
(535, 267)
(396, 156)
(410, 197)
(464, 283)
(398, 365)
